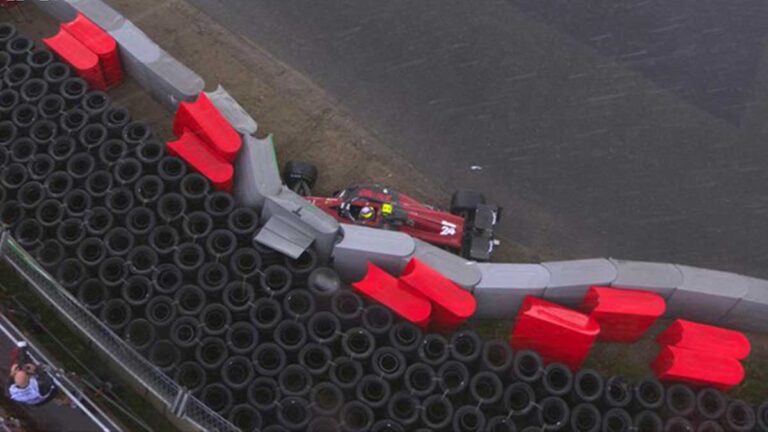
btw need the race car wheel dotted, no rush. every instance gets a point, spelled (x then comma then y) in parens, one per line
(297, 172)
(464, 201)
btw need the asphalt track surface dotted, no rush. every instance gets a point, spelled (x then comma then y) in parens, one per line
(634, 129)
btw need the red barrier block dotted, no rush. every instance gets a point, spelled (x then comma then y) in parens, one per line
(706, 338)
(624, 315)
(384, 288)
(199, 156)
(101, 44)
(452, 305)
(557, 333)
(697, 368)
(202, 118)
(77, 55)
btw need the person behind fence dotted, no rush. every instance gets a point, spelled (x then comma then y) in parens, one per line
(29, 384)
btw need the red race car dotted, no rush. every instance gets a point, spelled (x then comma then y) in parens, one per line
(467, 230)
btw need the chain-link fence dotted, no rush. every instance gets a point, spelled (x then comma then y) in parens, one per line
(145, 375)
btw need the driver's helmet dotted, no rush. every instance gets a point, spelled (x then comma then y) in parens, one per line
(366, 213)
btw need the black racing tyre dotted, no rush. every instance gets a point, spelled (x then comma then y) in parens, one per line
(33, 90)
(92, 294)
(140, 334)
(585, 418)
(50, 213)
(40, 167)
(318, 424)
(237, 372)
(73, 90)
(9, 99)
(243, 221)
(171, 170)
(648, 421)
(197, 224)
(519, 399)
(348, 306)
(275, 280)
(29, 233)
(465, 201)
(19, 47)
(167, 278)
(127, 171)
(95, 103)
(500, 423)
(72, 121)
(406, 338)
(91, 252)
(38, 60)
(323, 283)
(268, 359)
(43, 132)
(211, 352)
(61, 150)
(112, 151)
(377, 319)
(420, 379)
(710, 403)
(164, 239)
(11, 213)
(264, 394)
(98, 183)
(142, 260)
(291, 336)
(50, 106)
(189, 257)
(453, 378)
(8, 133)
(217, 397)
(148, 190)
(762, 417)
(242, 337)
(554, 414)
(237, 297)
(216, 319)
(357, 343)
(190, 375)
(149, 154)
(245, 417)
(16, 75)
(137, 290)
(50, 254)
(70, 232)
(345, 373)
(30, 195)
(299, 171)
(486, 388)
(740, 416)
(437, 412)
(119, 201)
(92, 136)
(588, 386)
(7, 32)
(618, 393)
(295, 380)
(23, 150)
(466, 346)
(77, 202)
(194, 188)
(135, 133)
(323, 327)
(113, 271)
(303, 265)
(374, 391)
(557, 380)
(190, 300)
(617, 420)
(680, 401)
(388, 363)
(220, 244)
(265, 314)
(212, 277)
(165, 355)
(80, 166)
(55, 74)
(298, 304)
(140, 221)
(119, 241)
(677, 424)
(710, 426)
(326, 399)
(497, 357)
(315, 358)
(171, 207)
(98, 221)
(115, 118)
(294, 414)
(219, 205)
(14, 176)
(404, 408)
(116, 314)
(468, 419)
(245, 265)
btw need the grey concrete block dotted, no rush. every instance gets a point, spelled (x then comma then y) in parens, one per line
(62, 10)
(256, 172)
(390, 250)
(165, 78)
(706, 295)
(570, 280)
(751, 312)
(99, 12)
(662, 278)
(503, 287)
(464, 273)
(285, 237)
(235, 114)
(304, 217)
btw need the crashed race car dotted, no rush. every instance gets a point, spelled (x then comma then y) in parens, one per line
(467, 230)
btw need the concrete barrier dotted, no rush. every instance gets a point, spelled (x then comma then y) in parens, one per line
(503, 287)
(570, 280)
(235, 114)
(706, 295)
(662, 278)
(257, 175)
(751, 312)
(464, 273)
(389, 250)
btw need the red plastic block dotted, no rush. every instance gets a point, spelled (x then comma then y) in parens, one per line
(452, 305)
(706, 338)
(199, 156)
(83, 60)
(557, 333)
(101, 43)
(202, 118)
(624, 315)
(697, 368)
(387, 290)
